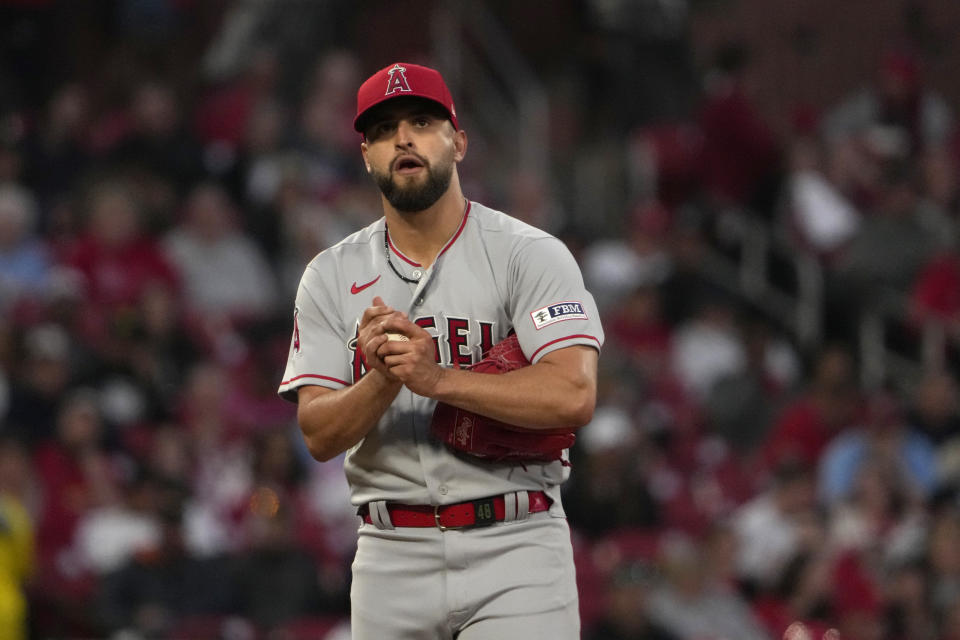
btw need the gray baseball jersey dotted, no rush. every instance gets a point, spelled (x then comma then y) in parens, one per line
(495, 275)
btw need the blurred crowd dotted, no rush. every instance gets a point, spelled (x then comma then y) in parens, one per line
(154, 222)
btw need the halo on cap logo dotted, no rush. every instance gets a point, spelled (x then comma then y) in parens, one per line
(397, 80)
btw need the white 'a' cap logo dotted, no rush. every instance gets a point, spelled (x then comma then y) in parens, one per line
(397, 80)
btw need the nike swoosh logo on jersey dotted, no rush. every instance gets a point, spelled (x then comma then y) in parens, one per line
(354, 289)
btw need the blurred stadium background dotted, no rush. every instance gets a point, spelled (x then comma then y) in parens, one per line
(763, 196)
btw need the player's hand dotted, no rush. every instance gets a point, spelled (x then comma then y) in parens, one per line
(372, 334)
(413, 361)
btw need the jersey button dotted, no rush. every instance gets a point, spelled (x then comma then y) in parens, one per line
(443, 489)
(417, 274)
(419, 301)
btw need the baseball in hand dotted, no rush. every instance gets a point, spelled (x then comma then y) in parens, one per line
(397, 336)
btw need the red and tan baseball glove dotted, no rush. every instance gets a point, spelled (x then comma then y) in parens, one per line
(491, 439)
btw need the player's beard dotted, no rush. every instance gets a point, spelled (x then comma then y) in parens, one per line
(416, 197)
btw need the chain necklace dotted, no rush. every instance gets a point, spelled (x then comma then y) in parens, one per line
(386, 254)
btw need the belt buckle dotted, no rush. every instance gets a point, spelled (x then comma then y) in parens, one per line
(436, 518)
(483, 515)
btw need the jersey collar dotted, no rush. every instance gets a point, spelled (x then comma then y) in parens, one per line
(453, 238)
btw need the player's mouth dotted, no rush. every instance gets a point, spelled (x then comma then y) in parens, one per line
(408, 164)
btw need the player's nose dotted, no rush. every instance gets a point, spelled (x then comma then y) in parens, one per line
(404, 137)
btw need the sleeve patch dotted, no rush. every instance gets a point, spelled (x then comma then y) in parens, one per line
(296, 330)
(557, 313)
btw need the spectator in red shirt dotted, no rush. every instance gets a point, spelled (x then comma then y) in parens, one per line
(803, 593)
(804, 428)
(898, 111)
(76, 474)
(116, 260)
(739, 155)
(935, 296)
(857, 601)
(638, 325)
(223, 113)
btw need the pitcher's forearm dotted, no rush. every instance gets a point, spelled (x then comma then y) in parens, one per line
(332, 421)
(543, 395)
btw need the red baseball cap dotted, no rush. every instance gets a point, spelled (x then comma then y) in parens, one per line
(400, 80)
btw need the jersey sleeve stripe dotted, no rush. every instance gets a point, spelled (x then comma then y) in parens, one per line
(573, 337)
(463, 223)
(315, 376)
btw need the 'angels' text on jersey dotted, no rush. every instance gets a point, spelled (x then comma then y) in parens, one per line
(460, 343)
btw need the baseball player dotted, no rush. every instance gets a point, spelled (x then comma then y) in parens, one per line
(455, 541)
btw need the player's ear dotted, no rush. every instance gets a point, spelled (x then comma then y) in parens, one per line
(459, 145)
(363, 152)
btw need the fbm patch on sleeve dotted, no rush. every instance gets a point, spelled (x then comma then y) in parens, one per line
(558, 312)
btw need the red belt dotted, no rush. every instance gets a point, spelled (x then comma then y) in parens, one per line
(475, 513)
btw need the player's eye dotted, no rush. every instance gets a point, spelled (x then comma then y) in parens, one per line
(381, 129)
(421, 121)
